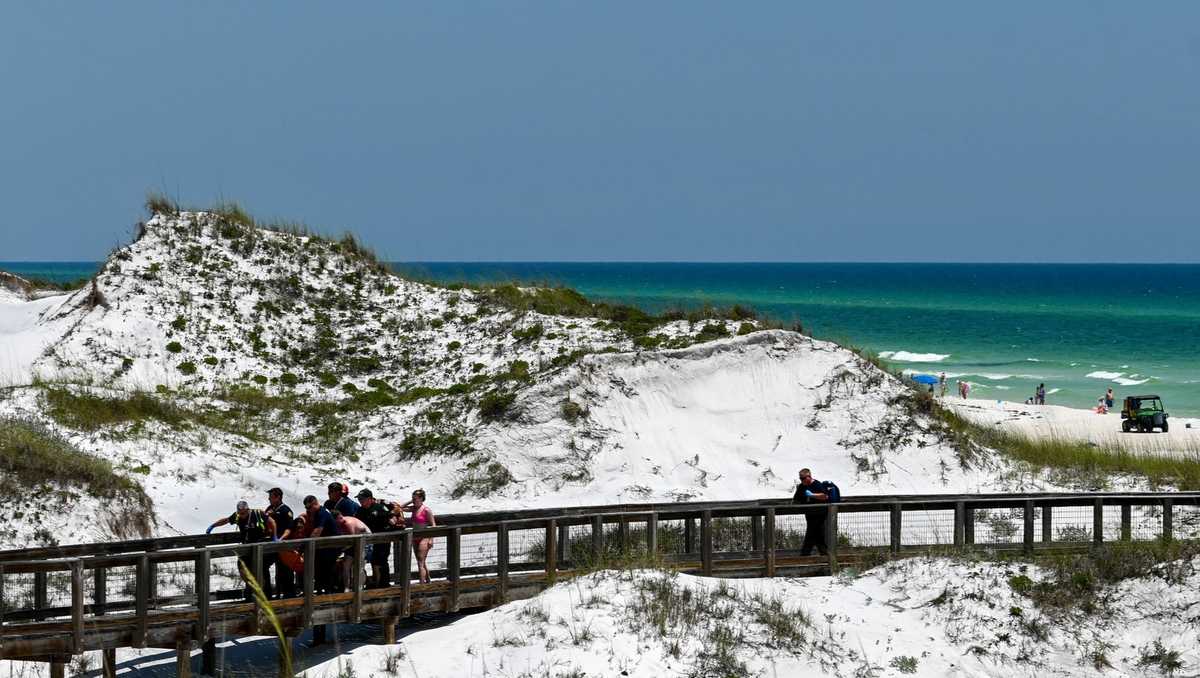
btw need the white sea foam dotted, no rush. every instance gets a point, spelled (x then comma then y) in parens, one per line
(907, 357)
(1104, 375)
(1053, 391)
(1130, 382)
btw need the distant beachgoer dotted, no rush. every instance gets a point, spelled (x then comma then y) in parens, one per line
(966, 389)
(1101, 408)
(942, 383)
(1041, 394)
(1108, 399)
(422, 516)
(1029, 400)
(811, 491)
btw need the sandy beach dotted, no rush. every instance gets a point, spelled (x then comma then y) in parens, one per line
(1049, 421)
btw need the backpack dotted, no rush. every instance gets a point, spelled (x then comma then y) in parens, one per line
(835, 494)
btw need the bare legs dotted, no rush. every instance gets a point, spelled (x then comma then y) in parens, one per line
(421, 550)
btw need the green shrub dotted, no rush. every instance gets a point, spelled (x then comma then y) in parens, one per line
(496, 405)
(260, 379)
(454, 346)
(417, 445)
(572, 411)
(482, 479)
(158, 203)
(88, 412)
(327, 379)
(289, 379)
(210, 361)
(188, 367)
(179, 323)
(530, 333)
(712, 331)
(174, 347)
(745, 328)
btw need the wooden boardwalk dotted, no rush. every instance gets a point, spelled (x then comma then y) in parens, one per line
(184, 592)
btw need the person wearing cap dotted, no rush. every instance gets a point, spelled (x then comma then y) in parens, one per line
(378, 517)
(254, 526)
(281, 513)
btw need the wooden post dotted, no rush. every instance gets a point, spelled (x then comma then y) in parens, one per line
(755, 533)
(453, 562)
(109, 662)
(706, 543)
(1098, 521)
(1126, 522)
(597, 539)
(960, 524)
(152, 581)
(356, 578)
(689, 535)
(310, 568)
(2, 606)
(318, 635)
(404, 569)
(141, 604)
(551, 550)
(99, 590)
(183, 660)
(896, 525)
(769, 541)
(203, 559)
(564, 545)
(389, 630)
(256, 564)
(208, 657)
(1168, 532)
(501, 564)
(652, 536)
(1028, 540)
(831, 536)
(1047, 524)
(58, 668)
(398, 548)
(968, 524)
(39, 595)
(623, 535)
(76, 606)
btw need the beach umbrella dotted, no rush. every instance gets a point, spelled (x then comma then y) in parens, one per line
(925, 379)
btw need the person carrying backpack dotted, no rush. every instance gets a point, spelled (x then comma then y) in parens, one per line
(812, 491)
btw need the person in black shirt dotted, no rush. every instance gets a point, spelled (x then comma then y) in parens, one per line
(811, 491)
(377, 515)
(281, 513)
(322, 525)
(254, 526)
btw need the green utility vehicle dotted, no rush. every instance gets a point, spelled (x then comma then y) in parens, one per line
(1143, 413)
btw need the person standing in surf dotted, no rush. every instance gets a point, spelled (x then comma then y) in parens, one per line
(1040, 396)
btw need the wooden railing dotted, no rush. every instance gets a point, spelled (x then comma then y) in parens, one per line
(184, 592)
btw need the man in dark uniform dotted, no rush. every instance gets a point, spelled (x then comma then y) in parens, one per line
(811, 491)
(340, 501)
(281, 513)
(254, 526)
(322, 524)
(378, 516)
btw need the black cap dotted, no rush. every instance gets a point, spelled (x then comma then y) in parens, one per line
(365, 493)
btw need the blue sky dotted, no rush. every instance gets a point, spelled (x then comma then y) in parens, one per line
(701, 131)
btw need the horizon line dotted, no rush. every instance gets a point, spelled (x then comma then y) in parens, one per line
(914, 262)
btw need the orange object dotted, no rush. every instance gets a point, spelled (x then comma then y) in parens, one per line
(293, 560)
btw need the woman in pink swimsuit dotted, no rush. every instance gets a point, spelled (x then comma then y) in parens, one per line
(422, 516)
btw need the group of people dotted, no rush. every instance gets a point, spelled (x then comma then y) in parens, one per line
(339, 515)
(1105, 402)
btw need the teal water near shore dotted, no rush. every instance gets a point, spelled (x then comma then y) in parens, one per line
(1004, 327)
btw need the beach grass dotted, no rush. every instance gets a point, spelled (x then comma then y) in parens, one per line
(31, 454)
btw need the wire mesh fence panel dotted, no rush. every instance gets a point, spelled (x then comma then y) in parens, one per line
(478, 550)
(871, 529)
(1146, 522)
(18, 592)
(1071, 524)
(120, 586)
(926, 528)
(1111, 523)
(176, 580)
(999, 526)
(225, 577)
(436, 558)
(1186, 522)
(58, 589)
(790, 530)
(527, 546)
(734, 534)
(576, 549)
(670, 536)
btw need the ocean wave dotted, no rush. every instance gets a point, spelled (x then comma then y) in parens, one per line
(1103, 375)
(907, 357)
(1053, 391)
(1130, 382)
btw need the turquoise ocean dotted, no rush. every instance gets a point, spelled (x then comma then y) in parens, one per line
(1078, 328)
